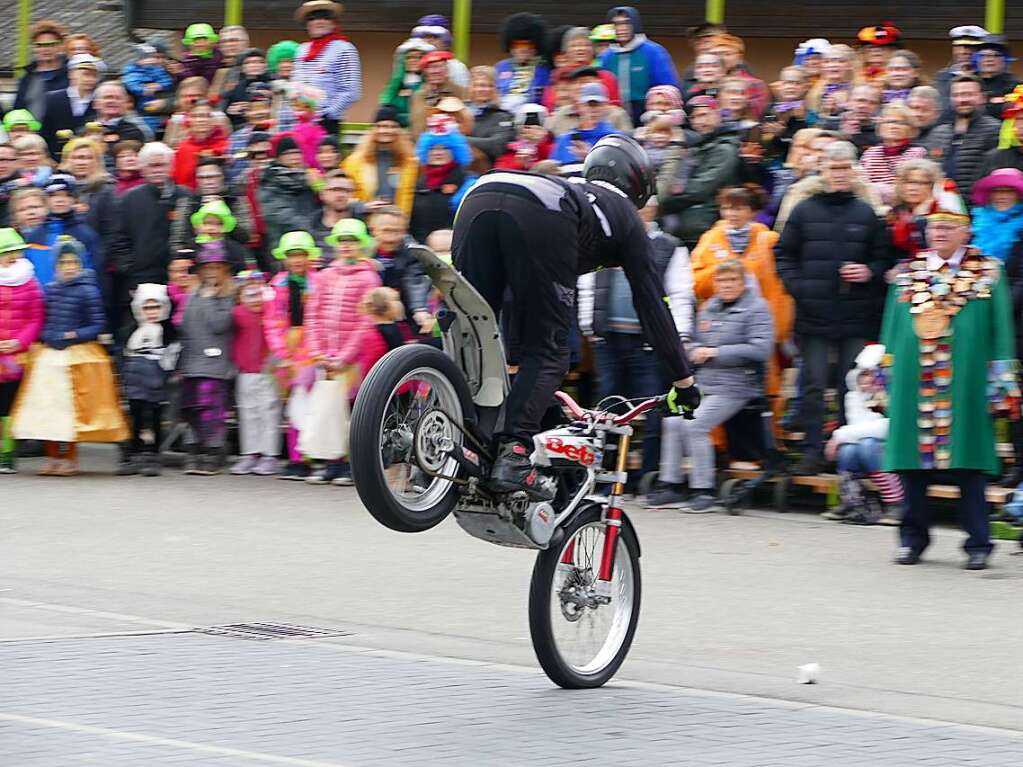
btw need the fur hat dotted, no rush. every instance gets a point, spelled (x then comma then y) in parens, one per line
(524, 26)
(150, 291)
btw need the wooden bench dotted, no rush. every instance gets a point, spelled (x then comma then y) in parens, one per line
(827, 485)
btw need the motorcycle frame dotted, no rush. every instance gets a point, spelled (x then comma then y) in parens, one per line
(472, 338)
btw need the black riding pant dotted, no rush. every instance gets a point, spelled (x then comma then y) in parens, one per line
(508, 241)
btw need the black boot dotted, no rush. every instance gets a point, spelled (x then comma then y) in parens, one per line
(513, 472)
(127, 464)
(151, 467)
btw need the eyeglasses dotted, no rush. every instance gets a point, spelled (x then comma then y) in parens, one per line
(348, 189)
(48, 44)
(208, 176)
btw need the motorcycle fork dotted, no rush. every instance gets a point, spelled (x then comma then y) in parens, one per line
(612, 517)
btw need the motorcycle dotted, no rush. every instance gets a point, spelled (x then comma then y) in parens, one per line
(421, 447)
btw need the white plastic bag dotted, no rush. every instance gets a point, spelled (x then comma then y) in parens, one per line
(323, 435)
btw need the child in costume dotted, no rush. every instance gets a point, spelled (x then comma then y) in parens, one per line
(256, 399)
(284, 327)
(21, 321)
(444, 177)
(69, 394)
(336, 329)
(148, 360)
(212, 222)
(205, 364)
(383, 307)
(859, 447)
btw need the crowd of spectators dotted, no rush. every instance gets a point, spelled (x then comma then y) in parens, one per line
(162, 208)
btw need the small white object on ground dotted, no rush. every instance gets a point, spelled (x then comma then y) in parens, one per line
(808, 673)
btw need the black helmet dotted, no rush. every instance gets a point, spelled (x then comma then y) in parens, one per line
(621, 161)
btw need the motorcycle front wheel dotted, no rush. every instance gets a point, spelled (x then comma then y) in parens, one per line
(404, 425)
(580, 636)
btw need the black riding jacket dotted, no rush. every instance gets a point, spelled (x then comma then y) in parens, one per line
(611, 233)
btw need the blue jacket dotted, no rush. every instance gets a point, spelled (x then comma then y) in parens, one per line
(136, 77)
(640, 64)
(562, 151)
(42, 239)
(76, 306)
(505, 71)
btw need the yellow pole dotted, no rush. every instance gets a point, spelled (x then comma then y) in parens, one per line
(716, 11)
(24, 29)
(461, 24)
(994, 18)
(232, 12)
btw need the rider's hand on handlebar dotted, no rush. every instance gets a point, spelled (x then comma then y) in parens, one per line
(683, 400)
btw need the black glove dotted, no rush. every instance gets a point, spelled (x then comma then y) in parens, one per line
(684, 401)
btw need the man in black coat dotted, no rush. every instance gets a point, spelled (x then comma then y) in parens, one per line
(71, 108)
(141, 250)
(832, 256)
(959, 146)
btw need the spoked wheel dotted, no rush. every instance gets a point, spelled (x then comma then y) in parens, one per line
(580, 633)
(404, 427)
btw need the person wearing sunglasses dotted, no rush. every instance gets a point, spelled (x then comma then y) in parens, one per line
(47, 71)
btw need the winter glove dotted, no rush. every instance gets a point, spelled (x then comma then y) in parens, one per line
(684, 402)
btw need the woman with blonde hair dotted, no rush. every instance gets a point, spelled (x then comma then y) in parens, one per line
(83, 159)
(880, 162)
(383, 166)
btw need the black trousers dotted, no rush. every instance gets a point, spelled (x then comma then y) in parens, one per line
(973, 509)
(816, 374)
(506, 241)
(145, 415)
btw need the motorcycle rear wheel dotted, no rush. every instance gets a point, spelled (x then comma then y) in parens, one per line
(562, 630)
(406, 387)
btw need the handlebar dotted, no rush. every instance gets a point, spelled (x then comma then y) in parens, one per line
(579, 412)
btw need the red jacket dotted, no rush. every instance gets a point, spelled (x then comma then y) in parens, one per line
(186, 158)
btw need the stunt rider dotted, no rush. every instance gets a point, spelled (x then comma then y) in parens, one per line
(535, 235)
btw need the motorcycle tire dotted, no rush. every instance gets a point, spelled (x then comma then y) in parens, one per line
(547, 616)
(371, 408)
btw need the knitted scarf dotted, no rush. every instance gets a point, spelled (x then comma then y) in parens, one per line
(316, 45)
(435, 175)
(738, 239)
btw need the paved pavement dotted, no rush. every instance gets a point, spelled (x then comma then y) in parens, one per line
(731, 605)
(188, 698)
